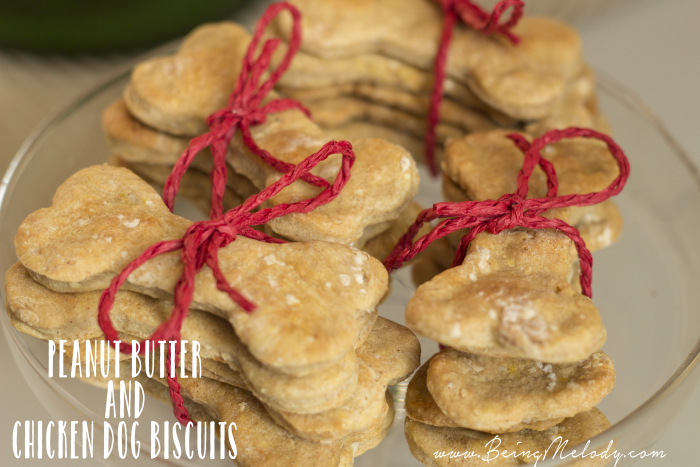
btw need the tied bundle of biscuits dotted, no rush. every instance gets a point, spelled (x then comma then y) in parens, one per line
(521, 337)
(381, 68)
(292, 348)
(169, 100)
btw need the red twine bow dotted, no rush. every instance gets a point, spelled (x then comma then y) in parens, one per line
(244, 110)
(200, 246)
(512, 210)
(476, 18)
(202, 240)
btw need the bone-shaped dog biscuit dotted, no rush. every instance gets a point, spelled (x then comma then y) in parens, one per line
(177, 93)
(425, 441)
(312, 73)
(522, 80)
(309, 310)
(384, 175)
(383, 183)
(511, 297)
(260, 441)
(149, 154)
(498, 395)
(452, 113)
(421, 407)
(46, 314)
(341, 110)
(485, 166)
(390, 353)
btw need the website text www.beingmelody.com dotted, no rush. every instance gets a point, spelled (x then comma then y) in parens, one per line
(65, 439)
(556, 449)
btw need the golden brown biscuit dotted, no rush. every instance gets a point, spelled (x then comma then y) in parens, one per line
(135, 142)
(310, 72)
(309, 311)
(49, 315)
(523, 81)
(511, 297)
(432, 445)
(349, 102)
(354, 130)
(176, 94)
(334, 405)
(259, 440)
(384, 181)
(390, 354)
(342, 110)
(485, 166)
(503, 395)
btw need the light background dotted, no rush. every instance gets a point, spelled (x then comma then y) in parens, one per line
(652, 46)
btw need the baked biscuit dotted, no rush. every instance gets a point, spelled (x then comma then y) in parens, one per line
(523, 81)
(485, 166)
(503, 395)
(426, 442)
(177, 93)
(309, 311)
(510, 297)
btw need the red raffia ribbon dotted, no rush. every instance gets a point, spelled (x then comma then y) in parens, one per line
(200, 246)
(476, 18)
(202, 240)
(244, 110)
(513, 210)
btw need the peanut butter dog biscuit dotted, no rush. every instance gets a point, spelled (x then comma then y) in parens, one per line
(421, 406)
(390, 353)
(194, 184)
(259, 440)
(135, 142)
(419, 403)
(452, 113)
(309, 311)
(45, 314)
(427, 442)
(176, 94)
(354, 130)
(308, 72)
(383, 183)
(510, 298)
(523, 81)
(485, 166)
(341, 110)
(502, 395)
(182, 89)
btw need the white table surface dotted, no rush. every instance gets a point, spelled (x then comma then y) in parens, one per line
(653, 47)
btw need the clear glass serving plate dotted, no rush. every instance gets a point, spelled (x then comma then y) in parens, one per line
(646, 285)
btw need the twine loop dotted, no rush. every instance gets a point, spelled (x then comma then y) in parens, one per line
(245, 109)
(514, 209)
(478, 19)
(201, 242)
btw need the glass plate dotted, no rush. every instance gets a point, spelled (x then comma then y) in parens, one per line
(646, 285)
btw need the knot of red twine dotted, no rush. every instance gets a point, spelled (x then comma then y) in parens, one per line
(243, 111)
(202, 240)
(200, 246)
(476, 18)
(513, 210)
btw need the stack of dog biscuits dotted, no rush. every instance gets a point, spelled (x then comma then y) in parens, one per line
(167, 103)
(367, 69)
(485, 165)
(523, 356)
(313, 360)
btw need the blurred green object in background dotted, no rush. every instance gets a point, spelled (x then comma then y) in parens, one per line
(81, 26)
